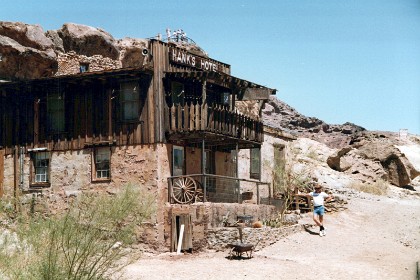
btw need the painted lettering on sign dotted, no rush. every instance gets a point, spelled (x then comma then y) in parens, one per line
(182, 57)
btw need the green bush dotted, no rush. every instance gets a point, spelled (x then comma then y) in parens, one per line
(89, 241)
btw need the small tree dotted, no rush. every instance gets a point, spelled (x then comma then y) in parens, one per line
(289, 177)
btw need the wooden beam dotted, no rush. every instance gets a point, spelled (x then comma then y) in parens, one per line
(256, 94)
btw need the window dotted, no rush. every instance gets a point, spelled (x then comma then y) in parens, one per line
(84, 67)
(41, 165)
(102, 164)
(55, 111)
(255, 156)
(178, 161)
(177, 92)
(130, 101)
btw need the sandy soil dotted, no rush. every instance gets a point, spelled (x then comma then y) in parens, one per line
(375, 238)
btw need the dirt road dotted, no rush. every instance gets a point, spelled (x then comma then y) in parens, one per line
(376, 238)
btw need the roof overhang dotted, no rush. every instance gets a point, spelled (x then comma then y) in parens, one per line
(247, 90)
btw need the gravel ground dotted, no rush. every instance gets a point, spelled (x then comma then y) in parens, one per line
(375, 238)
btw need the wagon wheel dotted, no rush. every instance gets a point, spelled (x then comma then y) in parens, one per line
(199, 193)
(183, 190)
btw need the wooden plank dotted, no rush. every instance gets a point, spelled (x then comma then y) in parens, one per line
(178, 117)
(256, 94)
(36, 122)
(192, 117)
(186, 120)
(173, 118)
(197, 116)
(1, 171)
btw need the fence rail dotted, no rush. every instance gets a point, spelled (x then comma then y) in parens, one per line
(194, 188)
(193, 118)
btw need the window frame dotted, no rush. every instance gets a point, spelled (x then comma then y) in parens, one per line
(55, 115)
(33, 178)
(95, 153)
(124, 103)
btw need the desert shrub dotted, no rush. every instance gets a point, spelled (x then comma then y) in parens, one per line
(289, 178)
(379, 187)
(89, 241)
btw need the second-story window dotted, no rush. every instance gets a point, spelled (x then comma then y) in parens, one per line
(130, 101)
(55, 110)
(83, 67)
(177, 92)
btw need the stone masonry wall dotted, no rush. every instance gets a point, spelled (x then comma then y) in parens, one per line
(207, 217)
(69, 63)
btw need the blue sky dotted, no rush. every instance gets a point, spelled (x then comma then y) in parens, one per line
(339, 61)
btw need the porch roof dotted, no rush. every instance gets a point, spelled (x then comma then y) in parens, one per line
(85, 76)
(227, 81)
(218, 141)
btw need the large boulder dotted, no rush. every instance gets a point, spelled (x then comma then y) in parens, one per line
(87, 40)
(131, 52)
(26, 35)
(56, 39)
(349, 161)
(400, 171)
(374, 158)
(20, 62)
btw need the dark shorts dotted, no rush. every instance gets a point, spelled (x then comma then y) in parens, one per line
(319, 210)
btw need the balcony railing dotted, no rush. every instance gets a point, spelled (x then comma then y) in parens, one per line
(194, 188)
(215, 119)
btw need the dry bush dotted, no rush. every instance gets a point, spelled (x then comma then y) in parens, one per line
(89, 241)
(379, 187)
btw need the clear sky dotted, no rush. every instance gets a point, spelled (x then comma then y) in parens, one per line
(339, 61)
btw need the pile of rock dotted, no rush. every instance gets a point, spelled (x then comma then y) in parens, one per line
(27, 52)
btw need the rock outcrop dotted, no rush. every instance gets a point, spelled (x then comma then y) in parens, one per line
(87, 40)
(278, 114)
(27, 52)
(21, 62)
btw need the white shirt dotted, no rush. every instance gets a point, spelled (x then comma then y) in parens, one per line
(318, 198)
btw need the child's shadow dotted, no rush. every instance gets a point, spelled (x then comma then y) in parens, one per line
(310, 231)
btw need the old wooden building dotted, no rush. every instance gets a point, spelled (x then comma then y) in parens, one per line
(178, 125)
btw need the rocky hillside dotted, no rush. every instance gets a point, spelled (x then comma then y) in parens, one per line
(41, 52)
(348, 152)
(280, 115)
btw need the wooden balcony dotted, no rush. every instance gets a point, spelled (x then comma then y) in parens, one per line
(194, 120)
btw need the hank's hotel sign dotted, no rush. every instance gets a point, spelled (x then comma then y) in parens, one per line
(185, 58)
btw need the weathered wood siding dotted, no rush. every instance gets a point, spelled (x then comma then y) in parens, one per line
(91, 116)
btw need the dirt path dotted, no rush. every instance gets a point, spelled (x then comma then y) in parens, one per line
(376, 238)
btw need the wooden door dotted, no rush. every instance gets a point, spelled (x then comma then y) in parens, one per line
(177, 221)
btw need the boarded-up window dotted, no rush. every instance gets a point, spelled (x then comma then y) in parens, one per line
(255, 163)
(55, 113)
(130, 101)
